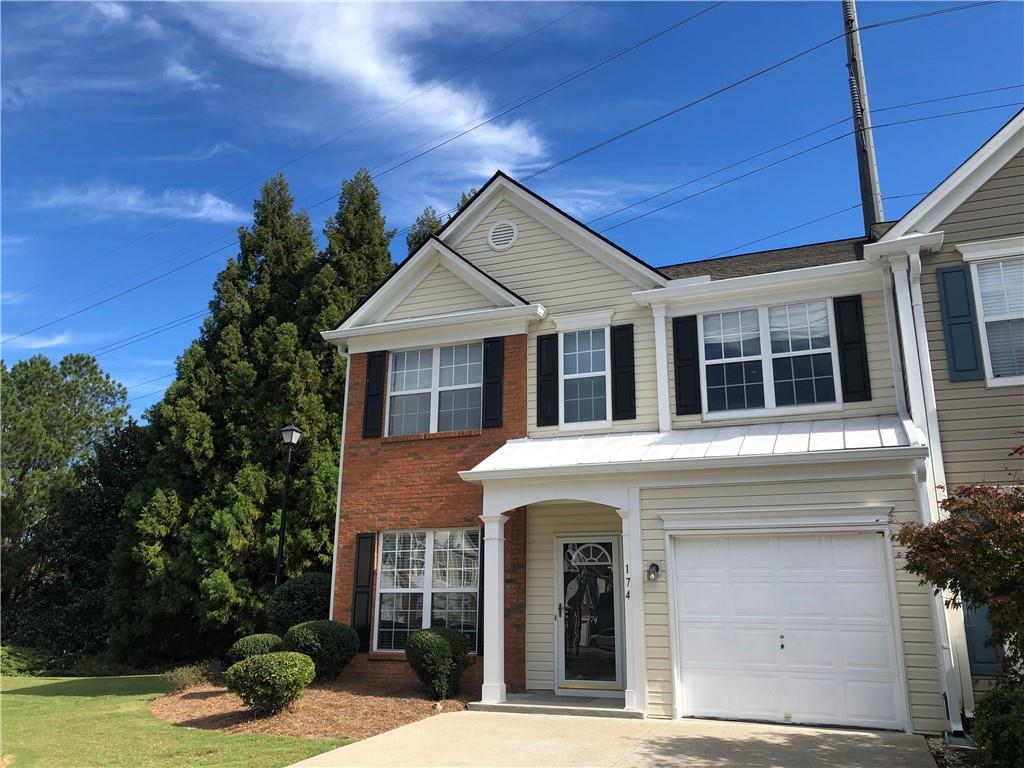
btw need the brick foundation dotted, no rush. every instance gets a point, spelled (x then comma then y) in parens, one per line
(410, 482)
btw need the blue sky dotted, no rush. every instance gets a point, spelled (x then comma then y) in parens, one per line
(136, 135)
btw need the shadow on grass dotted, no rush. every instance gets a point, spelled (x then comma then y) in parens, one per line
(132, 685)
(799, 749)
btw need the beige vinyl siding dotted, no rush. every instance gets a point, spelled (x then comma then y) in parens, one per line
(438, 293)
(831, 485)
(545, 268)
(978, 425)
(543, 523)
(883, 385)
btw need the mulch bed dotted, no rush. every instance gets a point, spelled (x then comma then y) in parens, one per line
(337, 710)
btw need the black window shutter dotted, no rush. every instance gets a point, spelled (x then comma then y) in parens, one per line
(687, 364)
(494, 378)
(623, 373)
(362, 591)
(853, 349)
(547, 380)
(959, 326)
(480, 599)
(373, 400)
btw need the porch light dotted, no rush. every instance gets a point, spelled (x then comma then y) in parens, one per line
(652, 571)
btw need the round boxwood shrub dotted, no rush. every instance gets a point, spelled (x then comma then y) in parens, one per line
(271, 681)
(331, 645)
(253, 645)
(999, 722)
(303, 598)
(438, 657)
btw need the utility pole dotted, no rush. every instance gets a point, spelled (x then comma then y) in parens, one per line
(867, 166)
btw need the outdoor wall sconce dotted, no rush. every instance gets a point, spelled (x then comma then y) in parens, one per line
(652, 572)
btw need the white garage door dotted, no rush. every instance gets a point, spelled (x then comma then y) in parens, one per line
(792, 628)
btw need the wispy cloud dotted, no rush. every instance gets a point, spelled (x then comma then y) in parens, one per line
(13, 298)
(103, 199)
(182, 74)
(11, 244)
(60, 339)
(202, 153)
(367, 53)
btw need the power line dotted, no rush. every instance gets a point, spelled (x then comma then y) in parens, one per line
(575, 155)
(347, 132)
(144, 396)
(795, 155)
(148, 333)
(149, 381)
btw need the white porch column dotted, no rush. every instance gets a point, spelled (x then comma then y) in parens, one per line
(633, 576)
(493, 690)
(661, 367)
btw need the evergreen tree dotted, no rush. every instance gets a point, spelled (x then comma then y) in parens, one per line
(427, 223)
(195, 563)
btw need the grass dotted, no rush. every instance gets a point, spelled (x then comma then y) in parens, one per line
(103, 721)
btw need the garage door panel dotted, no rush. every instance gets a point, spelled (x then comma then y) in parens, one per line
(828, 595)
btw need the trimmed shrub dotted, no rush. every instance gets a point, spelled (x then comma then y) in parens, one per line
(19, 661)
(999, 722)
(331, 645)
(191, 675)
(254, 645)
(271, 681)
(303, 598)
(438, 657)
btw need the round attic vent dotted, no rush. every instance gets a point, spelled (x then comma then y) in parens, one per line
(503, 235)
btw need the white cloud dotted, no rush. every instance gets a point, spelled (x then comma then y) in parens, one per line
(202, 153)
(11, 244)
(13, 298)
(366, 52)
(103, 199)
(40, 342)
(178, 72)
(113, 11)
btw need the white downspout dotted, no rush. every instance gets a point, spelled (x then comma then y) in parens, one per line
(337, 502)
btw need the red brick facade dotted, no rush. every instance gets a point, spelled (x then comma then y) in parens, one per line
(410, 482)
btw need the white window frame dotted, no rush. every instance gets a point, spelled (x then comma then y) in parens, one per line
(768, 372)
(435, 385)
(563, 377)
(427, 590)
(978, 253)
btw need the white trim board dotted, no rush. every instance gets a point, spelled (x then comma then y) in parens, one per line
(798, 517)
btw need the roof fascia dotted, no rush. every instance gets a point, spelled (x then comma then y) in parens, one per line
(963, 182)
(901, 246)
(413, 270)
(501, 187)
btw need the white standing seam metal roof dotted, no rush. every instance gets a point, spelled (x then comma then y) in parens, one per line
(641, 450)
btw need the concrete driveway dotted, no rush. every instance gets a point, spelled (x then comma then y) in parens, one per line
(505, 740)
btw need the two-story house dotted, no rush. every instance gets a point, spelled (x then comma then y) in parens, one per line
(958, 264)
(669, 488)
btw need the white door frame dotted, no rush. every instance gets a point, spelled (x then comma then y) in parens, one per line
(597, 688)
(821, 520)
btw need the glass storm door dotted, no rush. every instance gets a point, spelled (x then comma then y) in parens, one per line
(587, 608)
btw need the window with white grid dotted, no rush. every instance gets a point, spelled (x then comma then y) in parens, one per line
(999, 289)
(410, 392)
(436, 390)
(459, 387)
(585, 376)
(427, 579)
(801, 354)
(733, 370)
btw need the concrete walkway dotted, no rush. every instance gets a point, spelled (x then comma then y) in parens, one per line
(505, 740)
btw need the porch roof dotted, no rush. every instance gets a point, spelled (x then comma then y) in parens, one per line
(700, 447)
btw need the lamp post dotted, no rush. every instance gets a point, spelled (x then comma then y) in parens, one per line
(291, 436)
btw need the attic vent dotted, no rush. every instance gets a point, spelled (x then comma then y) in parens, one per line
(503, 235)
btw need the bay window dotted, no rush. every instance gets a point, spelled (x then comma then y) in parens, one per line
(435, 390)
(760, 358)
(427, 579)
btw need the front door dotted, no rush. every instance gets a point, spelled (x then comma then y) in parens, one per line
(588, 642)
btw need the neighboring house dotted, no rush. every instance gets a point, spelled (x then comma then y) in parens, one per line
(687, 476)
(958, 261)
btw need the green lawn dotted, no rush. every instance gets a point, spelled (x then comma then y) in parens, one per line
(60, 722)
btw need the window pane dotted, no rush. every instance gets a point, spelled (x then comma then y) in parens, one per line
(1006, 347)
(411, 370)
(409, 414)
(803, 379)
(735, 386)
(456, 559)
(731, 334)
(583, 352)
(458, 409)
(455, 610)
(1001, 284)
(401, 613)
(461, 365)
(799, 327)
(403, 558)
(585, 400)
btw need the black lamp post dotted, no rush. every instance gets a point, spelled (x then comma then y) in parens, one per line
(291, 436)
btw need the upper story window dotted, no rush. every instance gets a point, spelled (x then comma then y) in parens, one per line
(435, 390)
(585, 376)
(769, 357)
(999, 287)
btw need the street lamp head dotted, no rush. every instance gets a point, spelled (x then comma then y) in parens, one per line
(291, 434)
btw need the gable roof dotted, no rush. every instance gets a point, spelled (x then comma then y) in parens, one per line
(775, 260)
(963, 182)
(434, 252)
(501, 186)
